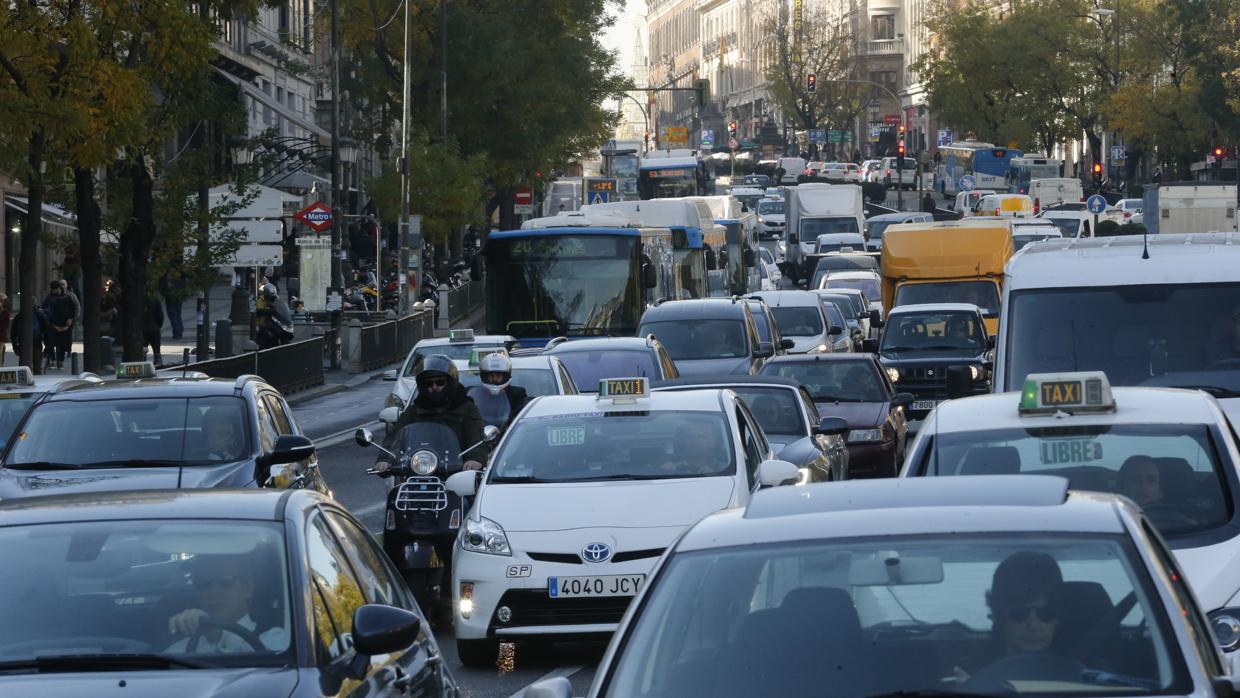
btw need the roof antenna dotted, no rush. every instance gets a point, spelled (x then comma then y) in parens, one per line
(1145, 253)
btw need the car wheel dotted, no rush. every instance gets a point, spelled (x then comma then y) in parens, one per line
(477, 653)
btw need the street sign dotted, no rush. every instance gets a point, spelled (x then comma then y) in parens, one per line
(599, 191)
(676, 135)
(967, 183)
(317, 216)
(523, 201)
(834, 136)
(611, 145)
(872, 133)
(708, 138)
(1096, 204)
(733, 144)
(891, 119)
(1118, 152)
(945, 136)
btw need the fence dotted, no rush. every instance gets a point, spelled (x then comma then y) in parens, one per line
(288, 368)
(457, 304)
(366, 347)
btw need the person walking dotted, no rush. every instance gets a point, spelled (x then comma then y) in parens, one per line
(927, 203)
(152, 325)
(36, 351)
(172, 286)
(61, 313)
(6, 317)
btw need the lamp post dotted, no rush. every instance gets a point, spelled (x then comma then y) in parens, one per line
(337, 282)
(404, 232)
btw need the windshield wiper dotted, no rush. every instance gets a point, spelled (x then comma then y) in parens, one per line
(43, 465)
(95, 662)
(836, 398)
(930, 693)
(135, 463)
(1214, 390)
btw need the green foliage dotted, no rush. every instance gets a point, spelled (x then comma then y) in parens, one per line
(823, 47)
(446, 188)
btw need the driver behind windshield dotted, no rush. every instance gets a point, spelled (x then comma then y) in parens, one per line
(696, 449)
(221, 622)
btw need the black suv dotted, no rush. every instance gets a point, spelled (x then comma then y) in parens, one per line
(707, 336)
(936, 352)
(159, 433)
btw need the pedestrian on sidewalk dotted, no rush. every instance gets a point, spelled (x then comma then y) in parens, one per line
(61, 315)
(152, 326)
(6, 317)
(172, 286)
(927, 203)
(36, 353)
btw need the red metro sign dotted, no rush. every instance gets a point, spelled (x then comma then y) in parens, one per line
(318, 216)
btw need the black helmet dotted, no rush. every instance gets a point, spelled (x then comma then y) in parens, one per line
(269, 291)
(436, 366)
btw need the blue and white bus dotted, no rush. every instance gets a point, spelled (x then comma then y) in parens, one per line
(987, 164)
(1024, 169)
(575, 276)
(668, 174)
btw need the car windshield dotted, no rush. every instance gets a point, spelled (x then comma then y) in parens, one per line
(1021, 240)
(811, 228)
(1067, 226)
(932, 331)
(587, 368)
(983, 294)
(956, 618)
(845, 262)
(835, 243)
(102, 433)
(833, 381)
(1171, 470)
(615, 446)
(874, 231)
(536, 381)
(699, 339)
(868, 285)
(456, 352)
(74, 589)
(776, 409)
(1173, 335)
(798, 320)
(767, 208)
(13, 407)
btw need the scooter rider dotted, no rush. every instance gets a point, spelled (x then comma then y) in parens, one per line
(497, 399)
(441, 398)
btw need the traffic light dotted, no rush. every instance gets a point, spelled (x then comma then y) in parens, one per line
(900, 152)
(811, 82)
(702, 88)
(1097, 174)
(901, 130)
(732, 129)
(1218, 151)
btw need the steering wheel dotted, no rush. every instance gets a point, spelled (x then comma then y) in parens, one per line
(248, 636)
(1164, 513)
(1037, 666)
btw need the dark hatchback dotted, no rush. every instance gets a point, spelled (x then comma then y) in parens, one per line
(707, 336)
(854, 387)
(288, 595)
(159, 433)
(923, 346)
(591, 360)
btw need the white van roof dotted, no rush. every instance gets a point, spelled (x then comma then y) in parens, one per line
(1199, 258)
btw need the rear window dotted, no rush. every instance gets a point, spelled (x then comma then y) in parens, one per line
(589, 367)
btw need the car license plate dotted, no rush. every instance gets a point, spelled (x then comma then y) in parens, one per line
(606, 585)
(919, 405)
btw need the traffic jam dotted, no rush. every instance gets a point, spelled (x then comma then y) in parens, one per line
(994, 464)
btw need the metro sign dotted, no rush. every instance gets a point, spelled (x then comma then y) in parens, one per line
(318, 216)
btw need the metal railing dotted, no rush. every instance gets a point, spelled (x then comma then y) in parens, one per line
(288, 368)
(365, 347)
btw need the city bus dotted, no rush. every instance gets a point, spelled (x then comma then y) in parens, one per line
(1028, 167)
(988, 165)
(575, 275)
(667, 174)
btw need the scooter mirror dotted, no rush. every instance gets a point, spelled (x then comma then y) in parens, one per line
(490, 433)
(389, 415)
(363, 437)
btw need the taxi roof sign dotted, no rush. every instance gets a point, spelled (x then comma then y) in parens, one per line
(476, 355)
(18, 375)
(622, 390)
(1082, 391)
(461, 335)
(135, 369)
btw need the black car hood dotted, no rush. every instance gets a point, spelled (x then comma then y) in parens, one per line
(937, 357)
(16, 483)
(188, 683)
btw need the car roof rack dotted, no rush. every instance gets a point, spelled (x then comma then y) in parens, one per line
(555, 341)
(244, 378)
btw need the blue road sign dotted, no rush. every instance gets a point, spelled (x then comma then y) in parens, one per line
(708, 138)
(600, 197)
(967, 183)
(1096, 204)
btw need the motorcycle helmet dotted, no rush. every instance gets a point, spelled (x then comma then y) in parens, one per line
(269, 291)
(435, 368)
(495, 370)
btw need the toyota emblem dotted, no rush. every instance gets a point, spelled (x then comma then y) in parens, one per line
(596, 552)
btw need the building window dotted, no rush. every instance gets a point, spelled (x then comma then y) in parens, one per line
(886, 78)
(882, 27)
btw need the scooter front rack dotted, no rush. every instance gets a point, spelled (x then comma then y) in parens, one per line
(422, 494)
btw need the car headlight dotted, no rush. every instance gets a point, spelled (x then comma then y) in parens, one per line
(393, 400)
(820, 349)
(484, 536)
(423, 462)
(894, 375)
(860, 435)
(1225, 622)
(975, 372)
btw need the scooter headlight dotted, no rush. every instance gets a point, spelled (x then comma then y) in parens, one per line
(423, 462)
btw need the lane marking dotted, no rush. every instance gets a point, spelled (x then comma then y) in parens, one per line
(565, 672)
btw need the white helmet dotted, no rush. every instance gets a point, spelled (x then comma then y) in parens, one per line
(496, 362)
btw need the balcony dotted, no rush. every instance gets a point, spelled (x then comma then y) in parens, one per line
(884, 47)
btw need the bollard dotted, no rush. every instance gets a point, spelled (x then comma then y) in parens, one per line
(74, 367)
(351, 346)
(223, 338)
(107, 355)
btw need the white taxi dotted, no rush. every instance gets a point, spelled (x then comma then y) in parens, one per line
(1169, 450)
(583, 495)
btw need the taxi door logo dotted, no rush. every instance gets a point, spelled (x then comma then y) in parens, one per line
(596, 552)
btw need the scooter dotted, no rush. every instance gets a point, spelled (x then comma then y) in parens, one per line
(422, 517)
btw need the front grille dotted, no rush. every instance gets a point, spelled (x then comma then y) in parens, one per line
(926, 374)
(536, 607)
(637, 555)
(574, 559)
(422, 494)
(564, 558)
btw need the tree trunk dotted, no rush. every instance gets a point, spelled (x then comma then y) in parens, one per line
(29, 257)
(89, 222)
(135, 247)
(507, 217)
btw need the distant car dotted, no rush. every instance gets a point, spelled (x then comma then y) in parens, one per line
(855, 327)
(837, 242)
(459, 345)
(706, 336)
(833, 172)
(181, 593)
(855, 387)
(771, 218)
(802, 319)
(868, 282)
(852, 173)
(904, 177)
(768, 329)
(1006, 205)
(838, 312)
(592, 360)
(842, 261)
(748, 196)
(773, 274)
(756, 180)
(921, 344)
(967, 200)
(814, 168)
(874, 226)
(1025, 231)
(1132, 209)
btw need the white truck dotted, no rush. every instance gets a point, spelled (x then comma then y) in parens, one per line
(1054, 190)
(813, 209)
(1190, 207)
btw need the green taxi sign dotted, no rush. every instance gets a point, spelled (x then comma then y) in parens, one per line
(135, 369)
(623, 389)
(1084, 391)
(18, 375)
(461, 335)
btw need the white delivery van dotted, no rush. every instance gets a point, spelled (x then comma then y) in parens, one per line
(1054, 190)
(792, 167)
(814, 209)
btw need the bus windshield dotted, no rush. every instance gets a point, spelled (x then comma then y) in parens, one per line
(1023, 171)
(550, 285)
(668, 183)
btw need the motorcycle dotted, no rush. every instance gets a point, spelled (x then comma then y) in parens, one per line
(422, 517)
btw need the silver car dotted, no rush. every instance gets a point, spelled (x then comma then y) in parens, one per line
(802, 319)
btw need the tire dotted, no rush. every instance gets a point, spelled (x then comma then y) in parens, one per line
(422, 584)
(477, 653)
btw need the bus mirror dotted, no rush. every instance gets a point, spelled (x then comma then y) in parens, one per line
(749, 260)
(649, 278)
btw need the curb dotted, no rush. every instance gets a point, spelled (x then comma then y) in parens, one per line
(331, 388)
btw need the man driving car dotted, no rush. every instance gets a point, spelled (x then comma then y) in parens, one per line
(221, 621)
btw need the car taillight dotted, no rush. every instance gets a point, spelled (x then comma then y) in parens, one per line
(1127, 214)
(888, 173)
(1037, 206)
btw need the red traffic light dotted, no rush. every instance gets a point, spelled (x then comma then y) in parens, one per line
(1219, 151)
(1097, 168)
(811, 82)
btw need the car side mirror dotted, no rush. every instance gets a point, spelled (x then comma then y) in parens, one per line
(773, 473)
(765, 350)
(831, 426)
(959, 382)
(786, 344)
(835, 330)
(490, 433)
(381, 629)
(289, 448)
(463, 484)
(389, 415)
(876, 318)
(556, 687)
(902, 399)
(389, 375)
(990, 341)
(869, 346)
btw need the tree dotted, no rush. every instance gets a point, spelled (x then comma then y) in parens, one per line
(1211, 36)
(446, 188)
(823, 45)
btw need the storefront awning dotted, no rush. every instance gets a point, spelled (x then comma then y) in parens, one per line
(55, 218)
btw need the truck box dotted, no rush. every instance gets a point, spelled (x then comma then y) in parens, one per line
(838, 207)
(1190, 207)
